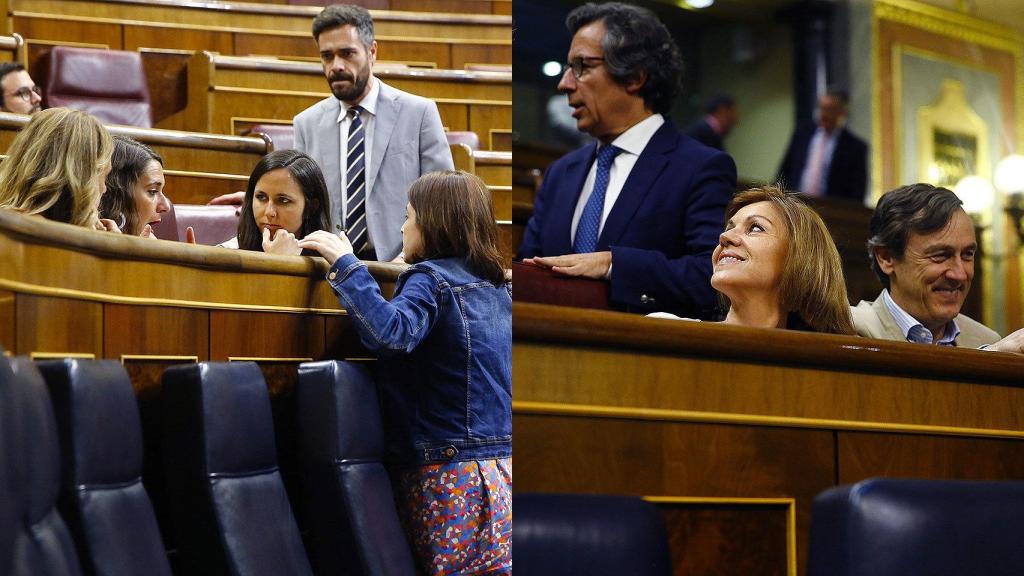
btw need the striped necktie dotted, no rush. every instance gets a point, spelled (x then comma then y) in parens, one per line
(355, 176)
(589, 226)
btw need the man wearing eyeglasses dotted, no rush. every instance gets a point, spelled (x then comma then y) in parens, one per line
(643, 208)
(20, 93)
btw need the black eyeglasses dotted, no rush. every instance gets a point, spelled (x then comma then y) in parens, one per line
(25, 93)
(579, 65)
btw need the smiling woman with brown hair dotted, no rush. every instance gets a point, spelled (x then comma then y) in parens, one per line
(777, 267)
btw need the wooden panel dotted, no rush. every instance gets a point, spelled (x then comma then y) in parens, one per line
(142, 36)
(503, 7)
(155, 330)
(501, 140)
(452, 6)
(501, 199)
(463, 54)
(723, 540)
(199, 189)
(454, 116)
(7, 320)
(265, 335)
(615, 456)
(167, 80)
(866, 455)
(250, 43)
(439, 53)
(61, 30)
(58, 325)
(342, 340)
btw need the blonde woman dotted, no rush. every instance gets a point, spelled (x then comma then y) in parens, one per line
(56, 168)
(777, 267)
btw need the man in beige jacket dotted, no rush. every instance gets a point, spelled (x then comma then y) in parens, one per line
(922, 248)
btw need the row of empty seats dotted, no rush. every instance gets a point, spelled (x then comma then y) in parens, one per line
(71, 463)
(72, 473)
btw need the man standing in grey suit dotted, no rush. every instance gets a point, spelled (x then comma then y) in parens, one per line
(371, 140)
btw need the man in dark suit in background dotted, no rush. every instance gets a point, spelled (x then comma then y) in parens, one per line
(643, 207)
(720, 115)
(825, 158)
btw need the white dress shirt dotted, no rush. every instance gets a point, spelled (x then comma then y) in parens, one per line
(632, 142)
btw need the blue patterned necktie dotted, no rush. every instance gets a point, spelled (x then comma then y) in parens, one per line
(355, 176)
(590, 221)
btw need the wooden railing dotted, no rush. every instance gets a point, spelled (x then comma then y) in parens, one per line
(733, 431)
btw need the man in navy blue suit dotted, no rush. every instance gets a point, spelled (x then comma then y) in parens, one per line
(644, 206)
(824, 158)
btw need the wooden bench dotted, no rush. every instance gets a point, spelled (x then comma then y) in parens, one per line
(450, 6)
(444, 41)
(227, 95)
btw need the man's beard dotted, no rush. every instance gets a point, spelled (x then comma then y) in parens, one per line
(353, 90)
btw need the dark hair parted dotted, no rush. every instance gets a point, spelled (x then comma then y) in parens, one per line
(127, 163)
(635, 44)
(916, 208)
(812, 289)
(337, 15)
(5, 69)
(316, 215)
(455, 218)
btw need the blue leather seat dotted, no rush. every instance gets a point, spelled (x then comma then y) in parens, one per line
(42, 544)
(889, 527)
(102, 496)
(231, 513)
(353, 521)
(597, 535)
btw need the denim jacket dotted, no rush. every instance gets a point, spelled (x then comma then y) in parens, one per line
(445, 368)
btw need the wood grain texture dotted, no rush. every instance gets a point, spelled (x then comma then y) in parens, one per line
(615, 456)
(726, 540)
(155, 330)
(867, 455)
(265, 335)
(50, 325)
(7, 327)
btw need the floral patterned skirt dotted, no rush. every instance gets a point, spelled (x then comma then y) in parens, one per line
(458, 516)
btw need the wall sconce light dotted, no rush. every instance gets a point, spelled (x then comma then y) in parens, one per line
(1009, 179)
(977, 195)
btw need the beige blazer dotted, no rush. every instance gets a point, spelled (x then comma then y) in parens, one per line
(873, 320)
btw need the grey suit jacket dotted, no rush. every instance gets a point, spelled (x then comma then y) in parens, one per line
(873, 320)
(408, 141)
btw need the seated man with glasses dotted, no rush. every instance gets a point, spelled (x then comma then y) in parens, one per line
(20, 93)
(643, 207)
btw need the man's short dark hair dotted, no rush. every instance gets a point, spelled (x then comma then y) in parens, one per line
(635, 42)
(5, 69)
(718, 101)
(917, 208)
(344, 15)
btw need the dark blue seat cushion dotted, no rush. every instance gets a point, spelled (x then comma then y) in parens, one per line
(598, 535)
(890, 527)
(102, 496)
(353, 520)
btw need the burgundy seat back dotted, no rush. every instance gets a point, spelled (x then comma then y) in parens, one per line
(281, 136)
(109, 84)
(212, 224)
(468, 138)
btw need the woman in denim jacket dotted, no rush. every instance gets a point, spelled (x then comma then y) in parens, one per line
(445, 342)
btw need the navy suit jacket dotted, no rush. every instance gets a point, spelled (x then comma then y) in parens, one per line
(848, 172)
(661, 230)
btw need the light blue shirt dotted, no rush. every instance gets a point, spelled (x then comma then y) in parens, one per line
(914, 331)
